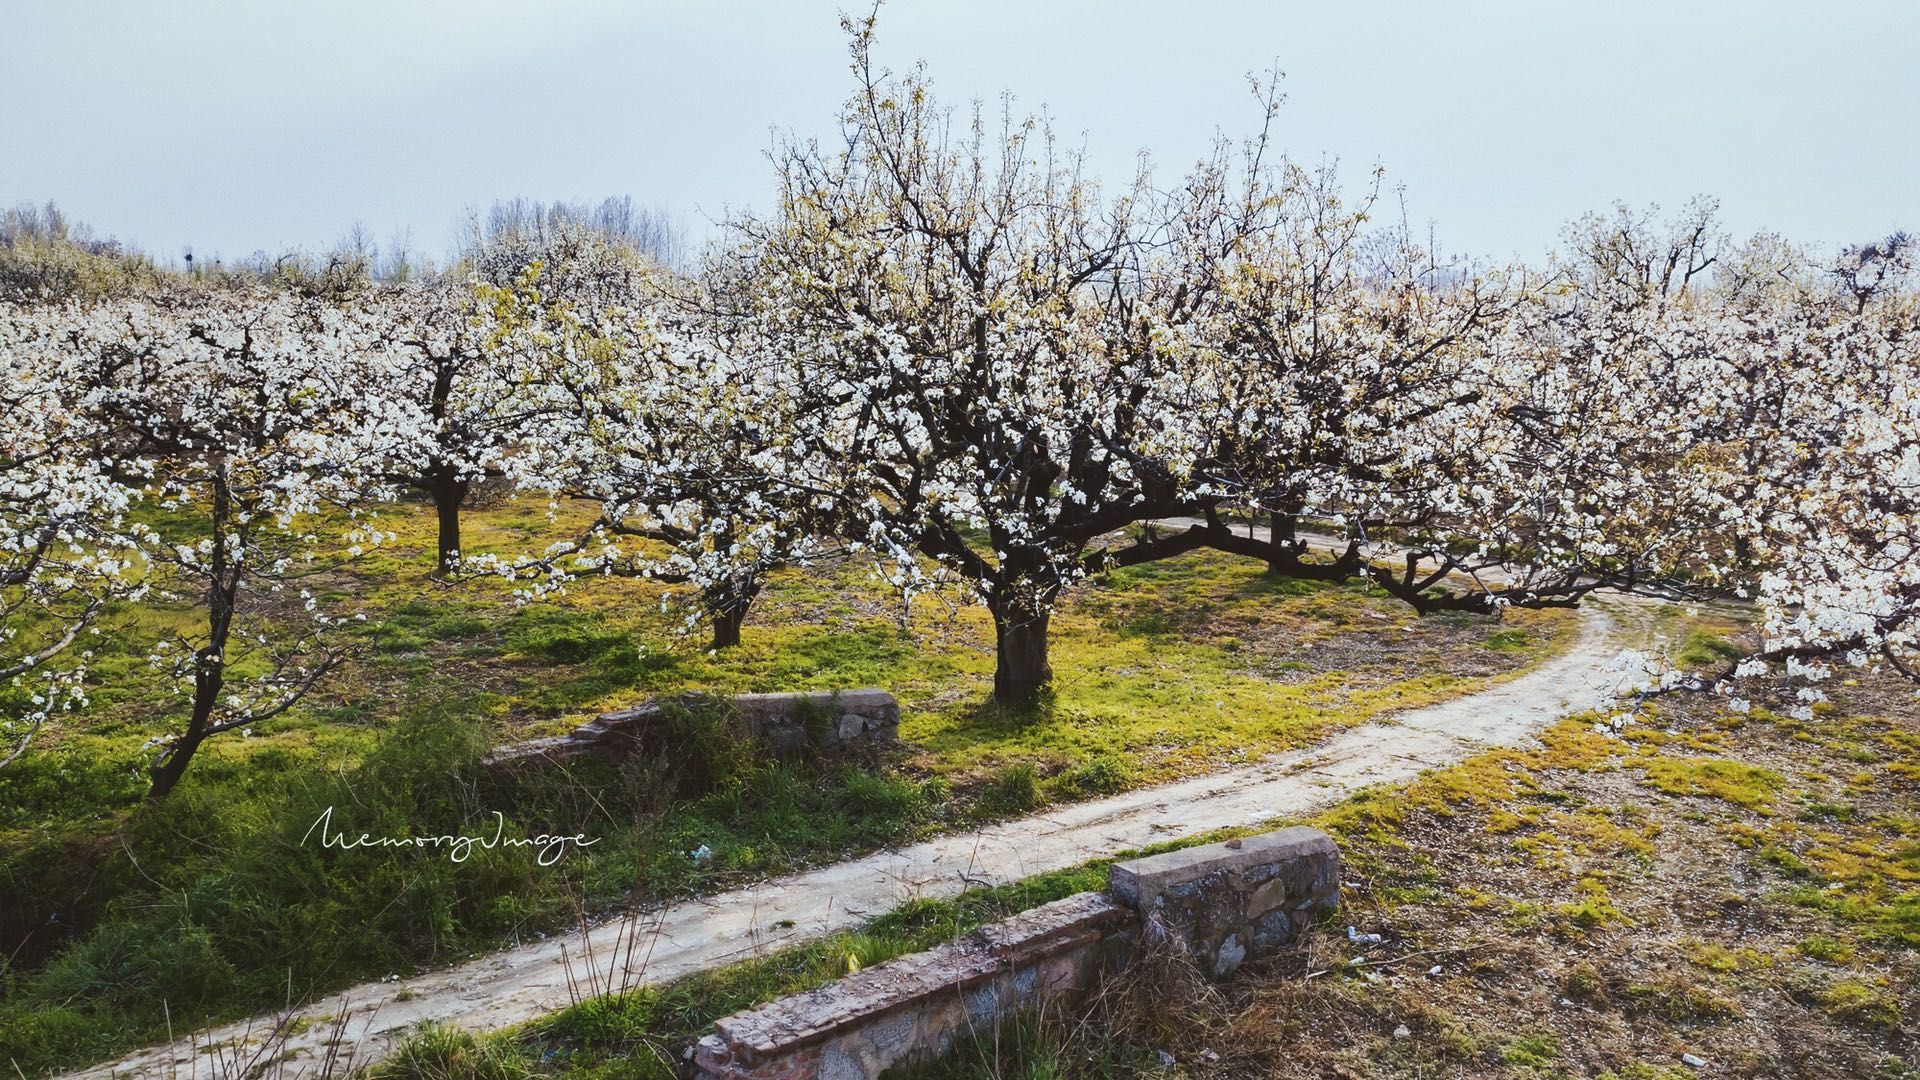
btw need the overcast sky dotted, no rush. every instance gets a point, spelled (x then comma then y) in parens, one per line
(244, 125)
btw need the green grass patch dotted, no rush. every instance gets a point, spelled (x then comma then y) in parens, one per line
(223, 899)
(1742, 784)
(119, 916)
(1704, 648)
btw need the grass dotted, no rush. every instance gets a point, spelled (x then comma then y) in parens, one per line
(1540, 1050)
(119, 918)
(1595, 905)
(1704, 648)
(443, 1053)
(1744, 785)
(238, 911)
(642, 1032)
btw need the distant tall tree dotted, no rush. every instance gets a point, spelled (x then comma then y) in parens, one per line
(648, 230)
(475, 364)
(45, 256)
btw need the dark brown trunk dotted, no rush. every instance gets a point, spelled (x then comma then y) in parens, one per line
(209, 661)
(166, 773)
(1283, 538)
(448, 494)
(726, 628)
(728, 607)
(1021, 673)
(209, 679)
(443, 481)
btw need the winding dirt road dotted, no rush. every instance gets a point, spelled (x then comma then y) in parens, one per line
(532, 980)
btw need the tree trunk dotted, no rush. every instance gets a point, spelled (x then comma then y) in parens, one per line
(1021, 673)
(448, 493)
(726, 627)
(166, 772)
(209, 679)
(1279, 532)
(210, 660)
(728, 607)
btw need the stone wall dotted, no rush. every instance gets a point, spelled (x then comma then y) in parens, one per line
(790, 722)
(1219, 904)
(1224, 902)
(914, 1007)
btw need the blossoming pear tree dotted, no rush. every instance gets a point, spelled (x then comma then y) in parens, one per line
(980, 351)
(665, 405)
(1820, 483)
(64, 536)
(997, 370)
(243, 414)
(468, 355)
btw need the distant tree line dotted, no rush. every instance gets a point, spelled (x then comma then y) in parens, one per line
(45, 255)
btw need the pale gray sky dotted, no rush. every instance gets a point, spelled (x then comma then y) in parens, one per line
(248, 124)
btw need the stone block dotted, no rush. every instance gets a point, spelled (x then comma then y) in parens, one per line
(914, 1007)
(1222, 903)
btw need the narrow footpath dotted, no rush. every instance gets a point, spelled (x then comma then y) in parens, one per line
(529, 981)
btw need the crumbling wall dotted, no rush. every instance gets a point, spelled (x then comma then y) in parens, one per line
(1222, 903)
(1219, 904)
(914, 1007)
(789, 722)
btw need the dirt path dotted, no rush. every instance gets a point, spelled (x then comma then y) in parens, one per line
(533, 980)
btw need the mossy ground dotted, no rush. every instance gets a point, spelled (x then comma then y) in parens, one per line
(1740, 888)
(121, 919)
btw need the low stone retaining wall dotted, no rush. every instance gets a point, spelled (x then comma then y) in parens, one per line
(1224, 902)
(1219, 904)
(787, 721)
(915, 1006)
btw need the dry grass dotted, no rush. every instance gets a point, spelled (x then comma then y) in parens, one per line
(1745, 890)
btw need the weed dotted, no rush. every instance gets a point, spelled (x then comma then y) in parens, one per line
(1679, 1000)
(1100, 775)
(1704, 648)
(446, 1053)
(1593, 910)
(1826, 949)
(1721, 959)
(1583, 982)
(1011, 789)
(1506, 641)
(1539, 1050)
(1855, 1002)
(1750, 786)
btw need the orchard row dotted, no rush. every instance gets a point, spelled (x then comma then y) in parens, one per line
(947, 350)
